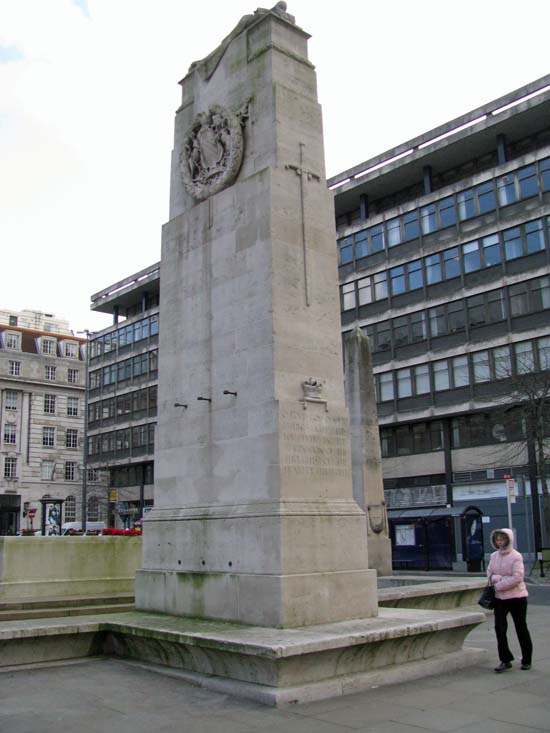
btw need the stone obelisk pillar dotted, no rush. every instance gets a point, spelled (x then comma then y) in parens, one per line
(254, 518)
(368, 483)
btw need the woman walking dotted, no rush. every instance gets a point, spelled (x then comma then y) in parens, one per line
(506, 573)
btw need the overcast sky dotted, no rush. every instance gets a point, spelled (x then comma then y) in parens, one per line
(88, 91)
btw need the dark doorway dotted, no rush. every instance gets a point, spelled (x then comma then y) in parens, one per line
(10, 507)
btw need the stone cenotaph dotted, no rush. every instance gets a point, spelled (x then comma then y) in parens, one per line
(255, 576)
(255, 519)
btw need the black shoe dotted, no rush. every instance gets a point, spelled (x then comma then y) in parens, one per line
(503, 666)
(525, 666)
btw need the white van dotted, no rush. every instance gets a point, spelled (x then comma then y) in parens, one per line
(77, 526)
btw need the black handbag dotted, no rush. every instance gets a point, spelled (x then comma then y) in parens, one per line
(487, 597)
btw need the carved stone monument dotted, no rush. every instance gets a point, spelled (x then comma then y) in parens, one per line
(366, 458)
(254, 518)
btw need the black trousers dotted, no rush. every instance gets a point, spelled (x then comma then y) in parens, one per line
(517, 608)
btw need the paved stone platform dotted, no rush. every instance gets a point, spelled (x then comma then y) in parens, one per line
(103, 695)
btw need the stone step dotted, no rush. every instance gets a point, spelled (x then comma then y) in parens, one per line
(65, 602)
(59, 612)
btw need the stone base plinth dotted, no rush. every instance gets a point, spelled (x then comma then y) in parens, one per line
(271, 666)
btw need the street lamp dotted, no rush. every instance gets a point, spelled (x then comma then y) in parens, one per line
(85, 448)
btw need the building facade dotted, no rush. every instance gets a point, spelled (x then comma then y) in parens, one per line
(444, 246)
(122, 404)
(42, 382)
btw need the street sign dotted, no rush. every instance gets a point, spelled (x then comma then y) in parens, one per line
(511, 484)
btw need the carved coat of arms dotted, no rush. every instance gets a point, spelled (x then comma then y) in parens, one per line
(212, 152)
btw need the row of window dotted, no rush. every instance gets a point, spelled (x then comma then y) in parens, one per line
(472, 202)
(50, 372)
(120, 441)
(51, 403)
(48, 437)
(448, 264)
(529, 296)
(125, 406)
(467, 431)
(49, 471)
(48, 346)
(460, 371)
(70, 470)
(124, 336)
(137, 366)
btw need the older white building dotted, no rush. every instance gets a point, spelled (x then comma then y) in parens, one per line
(42, 382)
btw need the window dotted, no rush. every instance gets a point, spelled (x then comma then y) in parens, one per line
(476, 310)
(93, 475)
(491, 250)
(71, 350)
(404, 383)
(452, 263)
(427, 219)
(512, 243)
(12, 341)
(419, 330)
(545, 174)
(461, 375)
(361, 244)
(47, 470)
(471, 257)
(447, 212)
(10, 399)
(49, 404)
(70, 471)
(154, 325)
(377, 239)
(48, 437)
(393, 228)
(410, 223)
(348, 296)
(14, 368)
(421, 379)
(364, 291)
(503, 362)
(397, 279)
(9, 433)
(10, 467)
(71, 438)
(386, 386)
(456, 317)
(345, 247)
(72, 406)
(543, 348)
(527, 179)
(441, 375)
(495, 306)
(433, 269)
(72, 376)
(48, 346)
(480, 361)
(466, 206)
(415, 276)
(438, 321)
(506, 190)
(400, 331)
(519, 300)
(540, 293)
(383, 336)
(49, 373)
(380, 286)
(534, 236)
(525, 361)
(405, 535)
(13, 320)
(93, 510)
(486, 197)
(70, 508)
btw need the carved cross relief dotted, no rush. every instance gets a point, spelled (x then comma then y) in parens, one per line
(305, 176)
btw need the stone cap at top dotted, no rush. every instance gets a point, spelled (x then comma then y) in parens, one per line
(208, 65)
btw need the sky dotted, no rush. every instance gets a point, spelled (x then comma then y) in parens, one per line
(89, 88)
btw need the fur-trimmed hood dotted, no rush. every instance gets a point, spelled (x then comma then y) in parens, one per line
(509, 546)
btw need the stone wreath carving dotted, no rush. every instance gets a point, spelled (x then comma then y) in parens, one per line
(212, 152)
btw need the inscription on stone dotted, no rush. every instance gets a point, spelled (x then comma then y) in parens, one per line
(314, 445)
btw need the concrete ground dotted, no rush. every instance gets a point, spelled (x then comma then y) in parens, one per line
(113, 696)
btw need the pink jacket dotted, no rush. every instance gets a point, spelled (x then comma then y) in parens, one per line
(506, 570)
